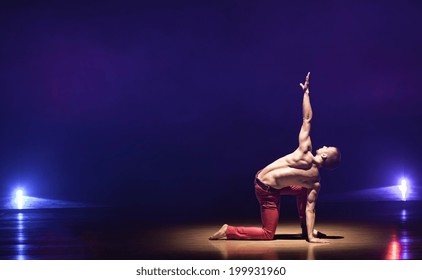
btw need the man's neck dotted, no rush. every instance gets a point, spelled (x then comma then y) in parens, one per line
(317, 160)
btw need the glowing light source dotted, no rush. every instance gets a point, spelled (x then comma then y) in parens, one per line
(403, 189)
(19, 199)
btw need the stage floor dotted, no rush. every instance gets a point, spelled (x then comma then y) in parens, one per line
(384, 230)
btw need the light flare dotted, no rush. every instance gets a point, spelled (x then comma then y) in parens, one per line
(19, 199)
(403, 189)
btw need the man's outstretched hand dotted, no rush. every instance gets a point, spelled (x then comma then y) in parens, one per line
(305, 86)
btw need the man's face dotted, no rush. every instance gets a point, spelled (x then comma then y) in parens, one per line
(325, 150)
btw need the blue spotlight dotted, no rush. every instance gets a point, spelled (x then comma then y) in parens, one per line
(19, 199)
(403, 188)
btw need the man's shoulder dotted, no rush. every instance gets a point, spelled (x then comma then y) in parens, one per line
(299, 154)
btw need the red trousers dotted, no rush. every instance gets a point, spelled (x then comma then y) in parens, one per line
(269, 201)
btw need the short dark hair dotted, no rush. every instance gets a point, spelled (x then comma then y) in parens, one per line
(333, 160)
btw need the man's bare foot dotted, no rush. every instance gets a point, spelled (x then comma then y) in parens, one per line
(220, 234)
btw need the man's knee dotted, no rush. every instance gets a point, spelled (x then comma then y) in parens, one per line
(272, 205)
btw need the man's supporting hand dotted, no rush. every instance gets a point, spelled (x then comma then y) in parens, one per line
(315, 233)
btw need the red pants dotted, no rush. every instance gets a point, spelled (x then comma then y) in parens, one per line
(269, 201)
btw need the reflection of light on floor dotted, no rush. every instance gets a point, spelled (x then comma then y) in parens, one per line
(20, 237)
(404, 241)
(20, 221)
(394, 248)
(359, 239)
(403, 215)
(404, 238)
(398, 247)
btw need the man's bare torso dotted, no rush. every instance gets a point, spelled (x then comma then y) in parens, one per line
(296, 168)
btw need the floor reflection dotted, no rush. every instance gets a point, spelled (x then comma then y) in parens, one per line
(264, 250)
(394, 248)
(244, 249)
(403, 215)
(375, 230)
(20, 236)
(404, 241)
(398, 247)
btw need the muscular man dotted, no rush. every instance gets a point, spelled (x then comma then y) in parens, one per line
(300, 168)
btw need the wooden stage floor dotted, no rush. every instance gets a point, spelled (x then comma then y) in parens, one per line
(386, 231)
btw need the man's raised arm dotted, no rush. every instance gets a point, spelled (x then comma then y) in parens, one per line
(304, 135)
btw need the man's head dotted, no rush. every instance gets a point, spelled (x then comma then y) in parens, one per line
(331, 157)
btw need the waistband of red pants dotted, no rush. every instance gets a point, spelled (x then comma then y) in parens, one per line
(262, 185)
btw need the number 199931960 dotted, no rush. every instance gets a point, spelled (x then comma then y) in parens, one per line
(257, 270)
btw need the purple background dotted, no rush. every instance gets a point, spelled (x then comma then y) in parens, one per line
(176, 104)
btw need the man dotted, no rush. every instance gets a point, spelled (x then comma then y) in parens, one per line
(300, 168)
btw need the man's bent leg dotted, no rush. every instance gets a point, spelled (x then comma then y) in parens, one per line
(301, 194)
(269, 203)
(301, 199)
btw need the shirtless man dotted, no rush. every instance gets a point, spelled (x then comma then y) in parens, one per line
(300, 168)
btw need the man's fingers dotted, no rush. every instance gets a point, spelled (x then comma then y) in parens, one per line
(307, 78)
(306, 84)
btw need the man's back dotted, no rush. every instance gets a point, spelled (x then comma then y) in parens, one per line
(296, 168)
